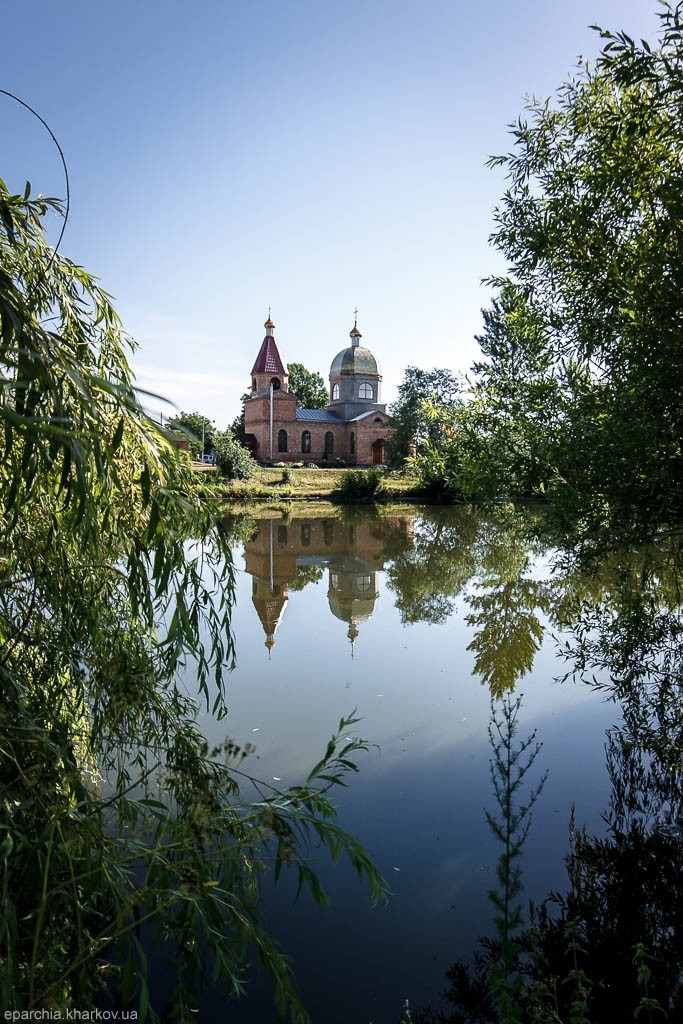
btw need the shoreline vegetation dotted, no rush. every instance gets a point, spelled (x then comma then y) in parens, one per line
(278, 486)
(275, 491)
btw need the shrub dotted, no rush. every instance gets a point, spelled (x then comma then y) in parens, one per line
(232, 458)
(361, 487)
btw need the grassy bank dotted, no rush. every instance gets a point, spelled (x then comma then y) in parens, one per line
(280, 487)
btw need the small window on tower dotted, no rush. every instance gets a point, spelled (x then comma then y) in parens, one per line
(275, 383)
(335, 392)
(365, 391)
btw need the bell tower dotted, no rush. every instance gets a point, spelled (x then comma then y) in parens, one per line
(269, 368)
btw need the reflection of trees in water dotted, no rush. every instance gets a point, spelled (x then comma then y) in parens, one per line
(306, 574)
(627, 887)
(625, 893)
(486, 559)
(611, 945)
(428, 577)
(507, 631)
(505, 602)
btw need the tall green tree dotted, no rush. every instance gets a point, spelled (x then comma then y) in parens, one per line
(114, 815)
(411, 425)
(510, 435)
(590, 226)
(309, 387)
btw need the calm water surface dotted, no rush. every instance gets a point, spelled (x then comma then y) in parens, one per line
(414, 622)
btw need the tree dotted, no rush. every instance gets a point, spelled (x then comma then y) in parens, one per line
(237, 427)
(509, 437)
(591, 228)
(410, 424)
(309, 387)
(195, 428)
(114, 814)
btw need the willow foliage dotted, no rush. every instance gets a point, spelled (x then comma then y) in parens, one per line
(117, 824)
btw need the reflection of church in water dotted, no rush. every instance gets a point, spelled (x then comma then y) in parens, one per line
(284, 556)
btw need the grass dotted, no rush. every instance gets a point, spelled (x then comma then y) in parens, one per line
(314, 485)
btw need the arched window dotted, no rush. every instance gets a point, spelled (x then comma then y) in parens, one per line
(365, 391)
(306, 442)
(282, 536)
(253, 383)
(306, 535)
(328, 531)
(352, 443)
(335, 392)
(329, 442)
(282, 440)
(275, 381)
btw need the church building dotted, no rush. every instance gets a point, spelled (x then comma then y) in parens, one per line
(351, 429)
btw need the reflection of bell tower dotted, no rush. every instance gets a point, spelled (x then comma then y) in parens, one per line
(352, 595)
(270, 603)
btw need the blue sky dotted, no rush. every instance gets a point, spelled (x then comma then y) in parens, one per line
(308, 155)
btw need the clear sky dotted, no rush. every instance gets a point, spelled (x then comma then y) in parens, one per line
(309, 155)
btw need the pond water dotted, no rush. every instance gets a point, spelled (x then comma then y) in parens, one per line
(419, 623)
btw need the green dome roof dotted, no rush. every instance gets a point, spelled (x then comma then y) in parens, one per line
(352, 609)
(355, 359)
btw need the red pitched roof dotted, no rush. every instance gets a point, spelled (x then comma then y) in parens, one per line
(268, 360)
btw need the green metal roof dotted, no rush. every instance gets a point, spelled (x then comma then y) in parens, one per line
(355, 360)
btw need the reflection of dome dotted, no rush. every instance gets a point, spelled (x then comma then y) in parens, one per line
(352, 597)
(352, 609)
